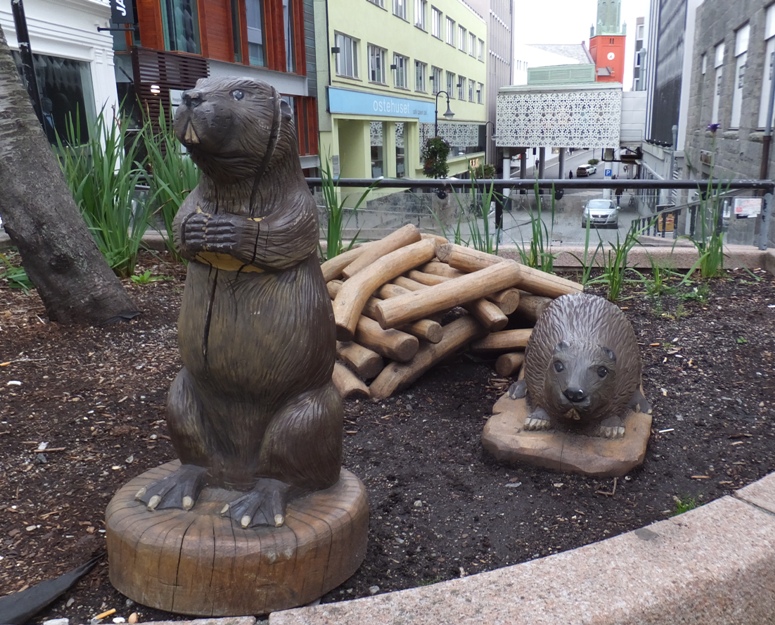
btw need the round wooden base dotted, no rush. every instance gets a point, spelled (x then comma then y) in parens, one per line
(200, 563)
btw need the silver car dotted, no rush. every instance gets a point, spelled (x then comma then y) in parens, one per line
(601, 213)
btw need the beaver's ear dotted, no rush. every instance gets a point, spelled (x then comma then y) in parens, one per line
(609, 353)
(286, 110)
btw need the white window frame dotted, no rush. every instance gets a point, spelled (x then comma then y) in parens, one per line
(376, 57)
(471, 89)
(451, 31)
(399, 8)
(347, 58)
(420, 13)
(461, 88)
(769, 65)
(480, 51)
(472, 44)
(462, 38)
(436, 75)
(401, 75)
(718, 58)
(420, 76)
(379, 3)
(436, 22)
(450, 84)
(741, 55)
(480, 93)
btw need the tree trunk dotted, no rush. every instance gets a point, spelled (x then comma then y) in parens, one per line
(41, 218)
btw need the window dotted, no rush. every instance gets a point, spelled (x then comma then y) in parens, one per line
(480, 94)
(480, 51)
(472, 44)
(376, 64)
(399, 8)
(254, 12)
(290, 64)
(704, 64)
(639, 31)
(379, 3)
(718, 57)
(471, 89)
(461, 88)
(67, 95)
(347, 58)
(181, 25)
(436, 78)
(451, 31)
(435, 22)
(420, 76)
(401, 79)
(769, 62)
(741, 54)
(420, 9)
(462, 38)
(450, 84)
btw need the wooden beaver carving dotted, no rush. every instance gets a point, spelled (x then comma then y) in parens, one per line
(253, 408)
(582, 368)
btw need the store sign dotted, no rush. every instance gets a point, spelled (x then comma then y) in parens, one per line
(371, 105)
(746, 207)
(121, 12)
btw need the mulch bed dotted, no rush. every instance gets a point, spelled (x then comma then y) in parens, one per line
(82, 412)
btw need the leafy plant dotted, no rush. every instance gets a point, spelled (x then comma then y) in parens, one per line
(147, 277)
(336, 213)
(658, 284)
(593, 161)
(434, 157)
(103, 175)
(615, 264)
(481, 202)
(171, 176)
(699, 293)
(538, 253)
(587, 261)
(14, 274)
(684, 504)
(484, 171)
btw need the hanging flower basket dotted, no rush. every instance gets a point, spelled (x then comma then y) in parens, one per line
(434, 158)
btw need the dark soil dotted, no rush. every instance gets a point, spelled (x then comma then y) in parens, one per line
(82, 412)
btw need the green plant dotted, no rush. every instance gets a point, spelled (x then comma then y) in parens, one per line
(14, 274)
(658, 284)
(593, 161)
(538, 253)
(171, 176)
(103, 175)
(741, 340)
(484, 171)
(336, 213)
(684, 504)
(699, 293)
(147, 276)
(587, 261)
(434, 157)
(615, 264)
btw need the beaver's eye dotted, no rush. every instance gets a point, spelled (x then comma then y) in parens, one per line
(237, 94)
(558, 366)
(602, 372)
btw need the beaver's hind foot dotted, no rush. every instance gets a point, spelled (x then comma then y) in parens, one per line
(263, 505)
(611, 427)
(178, 490)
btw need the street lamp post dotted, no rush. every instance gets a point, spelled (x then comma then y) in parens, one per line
(449, 114)
(487, 143)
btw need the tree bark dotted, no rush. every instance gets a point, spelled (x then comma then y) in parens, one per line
(40, 216)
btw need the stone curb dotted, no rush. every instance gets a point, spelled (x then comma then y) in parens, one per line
(715, 564)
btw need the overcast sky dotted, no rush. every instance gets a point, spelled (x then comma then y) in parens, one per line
(569, 21)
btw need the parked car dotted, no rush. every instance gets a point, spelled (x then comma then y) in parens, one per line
(585, 170)
(600, 213)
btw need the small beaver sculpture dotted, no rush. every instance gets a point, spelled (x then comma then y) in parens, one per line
(254, 408)
(582, 368)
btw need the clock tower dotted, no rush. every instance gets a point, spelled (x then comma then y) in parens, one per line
(606, 42)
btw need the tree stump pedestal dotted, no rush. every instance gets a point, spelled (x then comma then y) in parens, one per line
(199, 563)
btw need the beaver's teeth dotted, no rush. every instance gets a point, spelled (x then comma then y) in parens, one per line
(191, 136)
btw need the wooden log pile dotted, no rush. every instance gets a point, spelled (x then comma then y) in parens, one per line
(406, 302)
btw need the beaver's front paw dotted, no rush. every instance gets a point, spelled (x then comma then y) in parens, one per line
(538, 420)
(611, 427)
(204, 232)
(263, 505)
(179, 490)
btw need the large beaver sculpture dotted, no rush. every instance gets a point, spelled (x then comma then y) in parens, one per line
(254, 408)
(582, 368)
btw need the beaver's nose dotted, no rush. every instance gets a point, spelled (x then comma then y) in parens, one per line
(192, 99)
(574, 394)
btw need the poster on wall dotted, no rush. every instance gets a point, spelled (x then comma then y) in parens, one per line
(746, 207)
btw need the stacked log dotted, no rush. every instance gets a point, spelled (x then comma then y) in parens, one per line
(409, 301)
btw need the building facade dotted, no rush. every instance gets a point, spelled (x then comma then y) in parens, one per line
(74, 62)
(607, 42)
(640, 56)
(388, 71)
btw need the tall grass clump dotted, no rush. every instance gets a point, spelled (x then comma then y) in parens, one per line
(337, 213)
(615, 265)
(537, 253)
(171, 176)
(480, 203)
(709, 235)
(103, 175)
